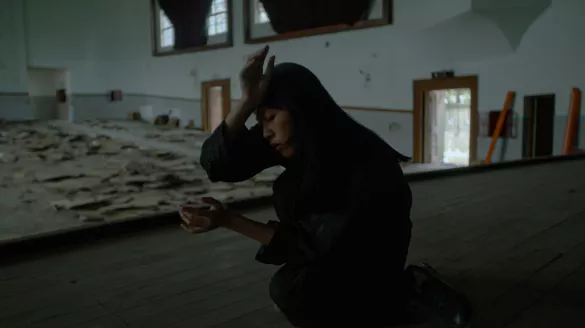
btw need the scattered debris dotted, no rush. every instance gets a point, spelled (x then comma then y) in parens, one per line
(90, 218)
(54, 177)
(59, 157)
(265, 178)
(41, 146)
(137, 180)
(186, 167)
(75, 138)
(194, 191)
(166, 155)
(23, 135)
(174, 122)
(174, 138)
(152, 135)
(120, 180)
(124, 200)
(8, 158)
(136, 167)
(221, 187)
(161, 119)
(81, 204)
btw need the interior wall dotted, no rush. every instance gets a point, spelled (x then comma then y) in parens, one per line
(106, 48)
(42, 87)
(14, 102)
(548, 60)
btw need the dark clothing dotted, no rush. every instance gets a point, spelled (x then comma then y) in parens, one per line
(344, 248)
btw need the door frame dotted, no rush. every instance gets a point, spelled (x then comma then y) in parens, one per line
(528, 128)
(225, 100)
(420, 88)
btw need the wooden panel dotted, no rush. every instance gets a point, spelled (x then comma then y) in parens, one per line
(538, 126)
(527, 274)
(226, 100)
(544, 125)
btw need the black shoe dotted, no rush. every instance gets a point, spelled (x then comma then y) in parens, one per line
(448, 306)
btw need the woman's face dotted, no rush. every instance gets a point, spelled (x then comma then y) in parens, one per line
(277, 128)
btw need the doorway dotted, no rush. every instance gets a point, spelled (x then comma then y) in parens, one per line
(216, 101)
(447, 129)
(538, 126)
(49, 92)
(445, 122)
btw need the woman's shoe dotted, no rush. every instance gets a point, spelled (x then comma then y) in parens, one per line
(276, 308)
(448, 306)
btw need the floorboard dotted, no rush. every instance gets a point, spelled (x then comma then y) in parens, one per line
(511, 239)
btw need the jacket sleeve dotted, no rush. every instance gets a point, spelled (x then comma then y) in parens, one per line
(303, 241)
(237, 159)
(378, 198)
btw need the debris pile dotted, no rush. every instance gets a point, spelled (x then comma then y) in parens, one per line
(102, 179)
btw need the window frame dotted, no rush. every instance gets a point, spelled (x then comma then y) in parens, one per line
(250, 21)
(156, 32)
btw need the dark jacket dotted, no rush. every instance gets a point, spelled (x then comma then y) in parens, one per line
(343, 225)
(349, 246)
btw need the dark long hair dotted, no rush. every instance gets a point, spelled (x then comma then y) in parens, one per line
(328, 140)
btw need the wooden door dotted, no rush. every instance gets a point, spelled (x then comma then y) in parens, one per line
(538, 127)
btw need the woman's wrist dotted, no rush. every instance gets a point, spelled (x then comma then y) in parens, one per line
(246, 105)
(229, 219)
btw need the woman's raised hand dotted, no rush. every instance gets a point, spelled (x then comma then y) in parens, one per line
(254, 79)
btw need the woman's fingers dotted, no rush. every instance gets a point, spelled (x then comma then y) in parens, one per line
(257, 59)
(187, 212)
(269, 68)
(196, 224)
(260, 54)
(186, 227)
(192, 229)
(185, 216)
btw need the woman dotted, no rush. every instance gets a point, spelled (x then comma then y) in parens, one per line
(343, 203)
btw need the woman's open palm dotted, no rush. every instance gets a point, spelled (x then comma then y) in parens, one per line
(197, 220)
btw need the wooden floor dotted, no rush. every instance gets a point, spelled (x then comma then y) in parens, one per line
(513, 240)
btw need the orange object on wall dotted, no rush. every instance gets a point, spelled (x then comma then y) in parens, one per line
(572, 122)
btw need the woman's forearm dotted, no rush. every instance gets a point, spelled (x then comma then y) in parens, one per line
(252, 229)
(237, 117)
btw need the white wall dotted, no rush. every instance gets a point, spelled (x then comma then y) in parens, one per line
(43, 82)
(13, 76)
(106, 45)
(14, 104)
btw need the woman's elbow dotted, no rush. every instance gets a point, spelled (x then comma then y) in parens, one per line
(215, 173)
